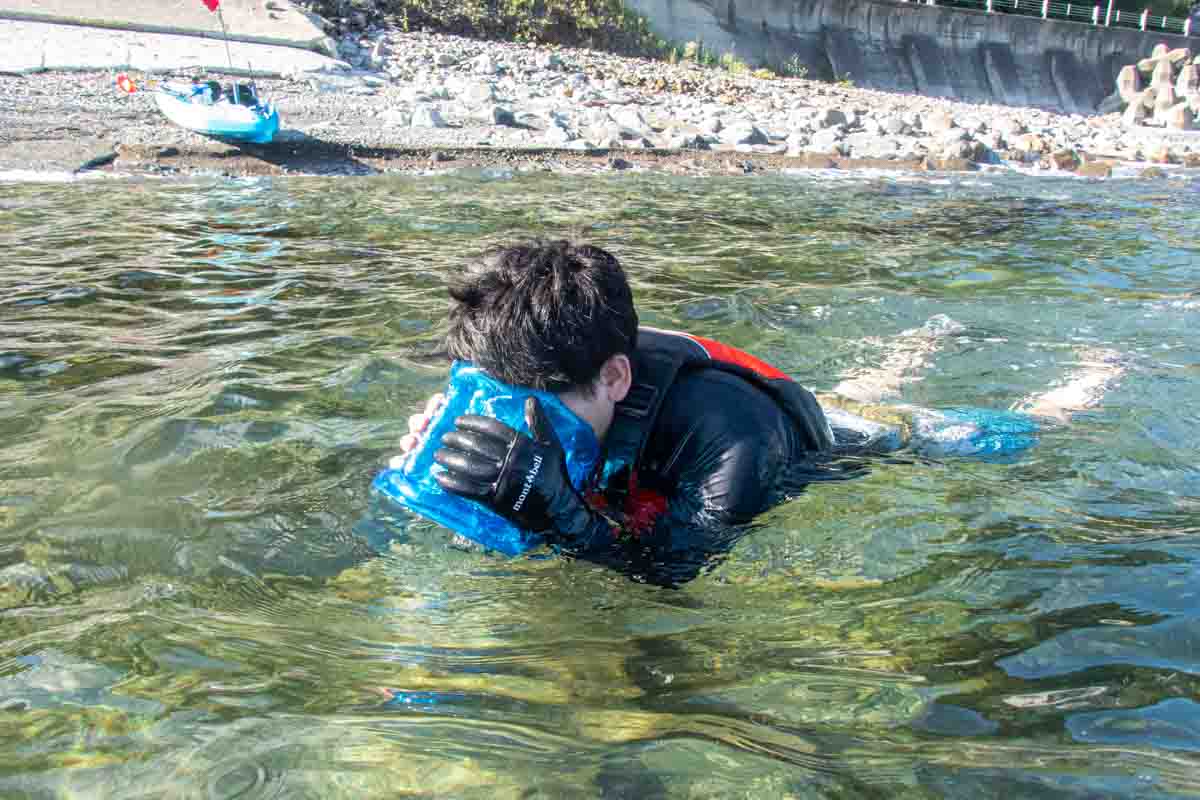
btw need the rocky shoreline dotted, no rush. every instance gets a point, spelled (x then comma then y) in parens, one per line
(414, 102)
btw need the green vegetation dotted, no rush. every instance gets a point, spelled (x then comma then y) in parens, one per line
(697, 52)
(1171, 8)
(607, 25)
(600, 24)
(795, 68)
(734, 65)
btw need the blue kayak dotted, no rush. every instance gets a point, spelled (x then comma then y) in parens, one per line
(234, 112)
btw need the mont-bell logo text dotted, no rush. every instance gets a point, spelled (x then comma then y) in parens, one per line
(527, 484)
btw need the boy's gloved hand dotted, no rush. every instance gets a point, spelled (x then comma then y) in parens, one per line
(522, 478)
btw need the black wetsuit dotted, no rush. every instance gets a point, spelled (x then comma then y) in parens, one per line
(718, 446)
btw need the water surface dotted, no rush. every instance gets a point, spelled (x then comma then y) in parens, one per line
(199, 379)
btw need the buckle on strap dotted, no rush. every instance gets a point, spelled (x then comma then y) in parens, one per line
(639, 402)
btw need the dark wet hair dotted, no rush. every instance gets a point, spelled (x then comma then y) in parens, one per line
(546, 315)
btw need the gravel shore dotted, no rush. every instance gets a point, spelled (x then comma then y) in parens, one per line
(419, 101)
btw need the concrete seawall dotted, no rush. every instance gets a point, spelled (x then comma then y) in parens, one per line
(910, 47)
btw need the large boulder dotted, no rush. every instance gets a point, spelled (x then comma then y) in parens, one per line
(827, 141)
(1111, 104)
(711, 125)
(828, 118)
(955, 149)
(894, 125)
(1129, 83)
(557, 134)
(1179, 117)
(684, 137)
(937, 122)
(631, 121)
(1164, 101)
(494, 114)
(476, 92)
(1188, 80)
(1095, 169)
(1158, 153)
(484, 65)
(426, 116)
(909, 147)
(797, 142)
(1029, 143)
(604, 137)
(870, 145)
(1163, 75)
(743, 132)
(1065, 159)
(1134, 114)
(1008, 127)
(394, 116)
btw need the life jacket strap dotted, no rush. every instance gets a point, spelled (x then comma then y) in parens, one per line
(640, 402)
(660, 358)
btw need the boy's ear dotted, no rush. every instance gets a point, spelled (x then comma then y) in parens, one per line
(616, 376)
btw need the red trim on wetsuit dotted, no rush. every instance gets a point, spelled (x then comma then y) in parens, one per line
(642, 508)
(732, 355)
(717, 351)
(665, 355)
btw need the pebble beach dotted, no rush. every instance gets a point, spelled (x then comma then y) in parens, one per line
(413, 102)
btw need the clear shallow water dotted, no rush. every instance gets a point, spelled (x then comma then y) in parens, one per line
(198, 381)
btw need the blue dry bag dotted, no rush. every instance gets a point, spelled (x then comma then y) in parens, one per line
(473, 391)
(977, 432)
(983, 432)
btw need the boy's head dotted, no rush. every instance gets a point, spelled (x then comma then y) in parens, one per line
(555, 316)
(546, 315)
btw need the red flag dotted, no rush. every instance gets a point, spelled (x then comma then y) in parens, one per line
(125, 84)
(212, 4)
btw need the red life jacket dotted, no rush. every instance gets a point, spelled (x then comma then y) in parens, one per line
(660, 359)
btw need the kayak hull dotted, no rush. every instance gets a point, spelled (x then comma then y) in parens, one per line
(257, 124)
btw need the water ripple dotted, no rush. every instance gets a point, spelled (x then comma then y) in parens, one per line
(199, 598)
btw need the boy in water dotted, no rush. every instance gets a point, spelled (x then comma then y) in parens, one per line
(700, 437)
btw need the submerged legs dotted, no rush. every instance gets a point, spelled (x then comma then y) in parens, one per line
(911, 353)
(1097, 371)
(862, 416)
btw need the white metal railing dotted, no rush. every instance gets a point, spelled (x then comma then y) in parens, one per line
(1077, 12)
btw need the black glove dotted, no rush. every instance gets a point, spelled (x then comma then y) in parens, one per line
(523, 479)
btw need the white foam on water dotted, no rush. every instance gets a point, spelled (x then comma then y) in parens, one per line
(1186, 305)
(32, 176)
(861, 175)
(806, 172)
(1035, 171)
(36, 176)
(895, 176)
